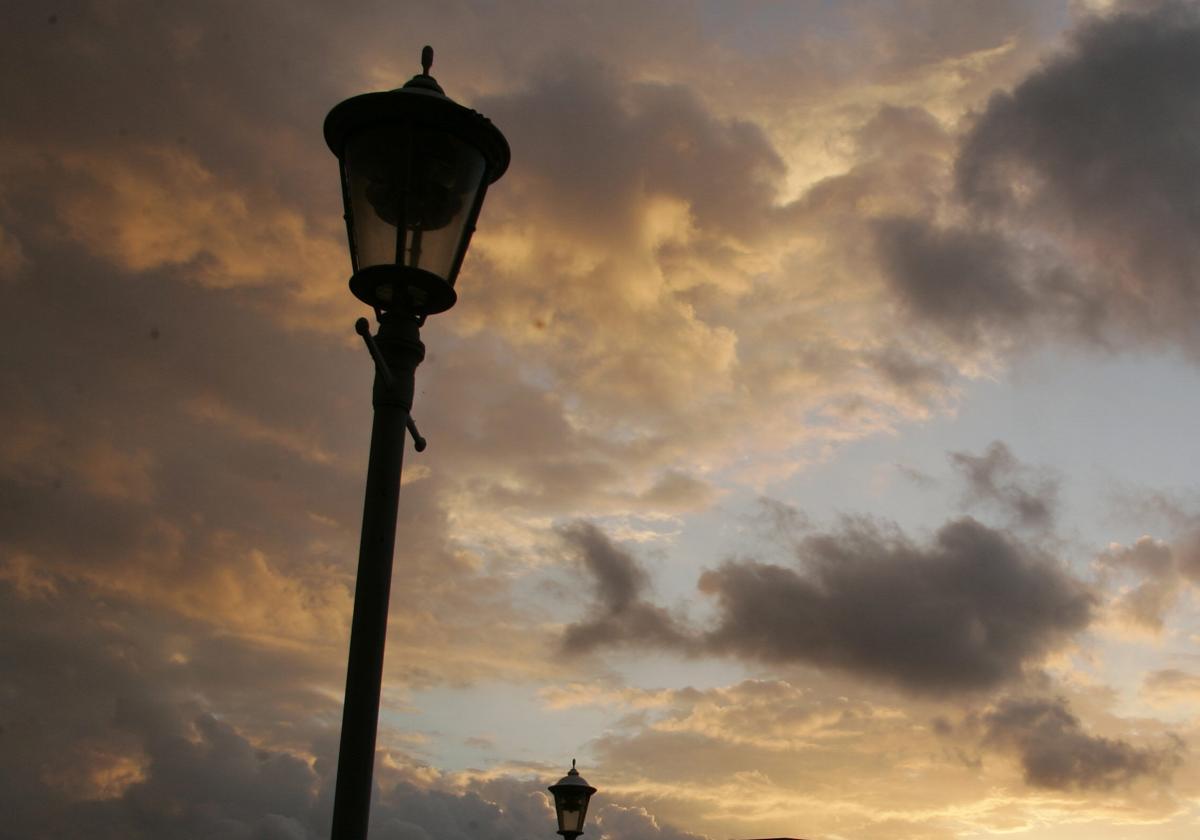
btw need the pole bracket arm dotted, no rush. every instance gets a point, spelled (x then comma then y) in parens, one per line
(363, 327)
(419, 443)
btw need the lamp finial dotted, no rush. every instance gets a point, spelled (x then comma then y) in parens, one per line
(426, 59)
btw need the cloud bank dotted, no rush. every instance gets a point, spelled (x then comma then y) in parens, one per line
(970, 610)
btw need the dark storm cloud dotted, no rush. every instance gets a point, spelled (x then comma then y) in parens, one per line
(996, 477)
(1079, 194)
(969, 611)
(1057, 753)
(622, 615)
(972, 610)
(1099, 150)
(962, 281)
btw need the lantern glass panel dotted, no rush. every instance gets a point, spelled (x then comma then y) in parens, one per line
(411, 191)
(570, 817)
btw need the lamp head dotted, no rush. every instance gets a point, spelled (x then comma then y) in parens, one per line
(571, 796)
(415, 167)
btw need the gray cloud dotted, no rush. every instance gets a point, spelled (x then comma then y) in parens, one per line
(621, 615)
(1098, 149)
(997, 478)
(1074, 201)
(919, 479)
(781, 522)
(963, 281)
(972, 610)
(969, 611)
(1057, 753)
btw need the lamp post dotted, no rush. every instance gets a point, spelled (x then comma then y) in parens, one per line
(415, 167)
(571, 796)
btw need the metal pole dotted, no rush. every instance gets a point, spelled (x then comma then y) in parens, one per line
(397, 350)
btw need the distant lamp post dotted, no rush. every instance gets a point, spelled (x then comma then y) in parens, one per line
(415, 167)
(571, 796)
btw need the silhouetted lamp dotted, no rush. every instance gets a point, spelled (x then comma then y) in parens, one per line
(571, 796)
(415, 168)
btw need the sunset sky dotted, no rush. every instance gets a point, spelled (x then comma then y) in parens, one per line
(812, 450)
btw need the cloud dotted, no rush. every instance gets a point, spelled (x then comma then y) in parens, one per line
(621, 615)
(1171, 685)
(678, 492)
(1096, 151)
(644, 304)
(12, 257)
(1072, 209)
(115, 740)
(904, 127)
(1158, 580)
(781, 523)
(640, 140)
(221, 479)
(923, 380)
(963, 281)
(152, 207)
(161, 729)
(771, 756)
(181, 468)
(773, 715)
(1057, 753)
(969, 611)
(631, 822)
(996, 477)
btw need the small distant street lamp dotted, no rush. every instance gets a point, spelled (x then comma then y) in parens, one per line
(571, 796)
(415, 167)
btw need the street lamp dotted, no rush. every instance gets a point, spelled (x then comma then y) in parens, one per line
(571, 796)
(415, 167)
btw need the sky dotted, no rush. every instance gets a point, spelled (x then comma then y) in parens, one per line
(811, 450)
